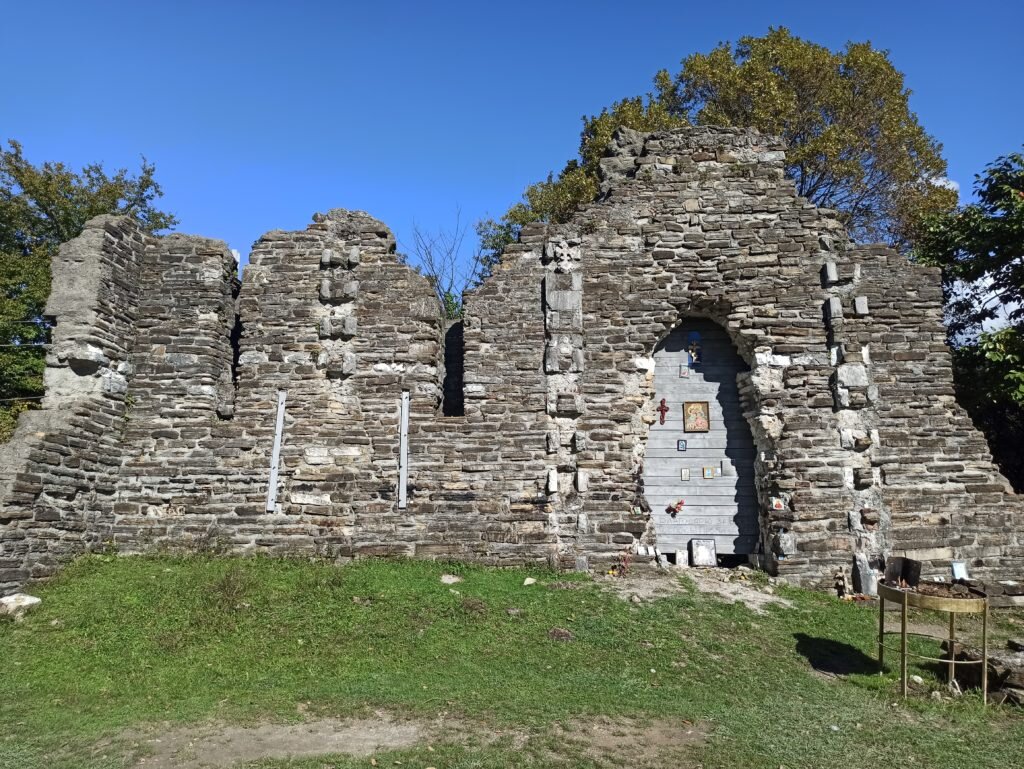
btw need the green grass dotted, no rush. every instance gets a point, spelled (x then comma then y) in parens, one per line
(120, 643)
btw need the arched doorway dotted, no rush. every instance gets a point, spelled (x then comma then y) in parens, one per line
(702, 454)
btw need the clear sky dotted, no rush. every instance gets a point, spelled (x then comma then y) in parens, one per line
(259, 113)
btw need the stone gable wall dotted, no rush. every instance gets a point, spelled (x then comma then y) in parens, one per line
(848, 394)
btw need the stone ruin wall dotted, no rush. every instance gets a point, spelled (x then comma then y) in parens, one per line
(162, 386)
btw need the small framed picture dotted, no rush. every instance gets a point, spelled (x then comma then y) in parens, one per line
(684, 474)
(684, 371)
(959, 569)
(680, 445)
(702, 552)
(696, 417)
(777, 504)
(709, 472)
(718, 472)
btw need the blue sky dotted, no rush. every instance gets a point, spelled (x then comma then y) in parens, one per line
(258, 114)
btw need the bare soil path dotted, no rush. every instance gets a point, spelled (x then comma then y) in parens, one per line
(221, 746)
(214, 746)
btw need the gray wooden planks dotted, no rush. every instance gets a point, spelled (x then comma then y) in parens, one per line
(723, 508)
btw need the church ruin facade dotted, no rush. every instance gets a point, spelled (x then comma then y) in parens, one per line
(699, 356)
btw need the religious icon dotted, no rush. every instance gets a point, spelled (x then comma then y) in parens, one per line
(662, 411)
(696, 417)
(680, 445)
(778, 504)
(684, 371)
(709, 472)
(718, 472)
(684, 474)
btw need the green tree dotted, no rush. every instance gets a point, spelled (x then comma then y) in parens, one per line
(854, 144)
(980, 248)
(40, 208)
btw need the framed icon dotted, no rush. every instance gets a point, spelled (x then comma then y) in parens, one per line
(684, 371)
(696, 417)
(684, 474)
(709, 472)
(680, 445)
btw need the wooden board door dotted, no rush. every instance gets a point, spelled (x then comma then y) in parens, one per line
(724, 506)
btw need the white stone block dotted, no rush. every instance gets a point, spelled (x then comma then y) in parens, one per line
(252, 357)
(582, 481)
(852, 375)
(17, 604)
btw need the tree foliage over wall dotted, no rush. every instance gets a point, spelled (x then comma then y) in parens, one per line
(980, 248)
(40, 208)
(855, 145)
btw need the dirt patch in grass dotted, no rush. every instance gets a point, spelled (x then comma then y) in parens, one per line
(629, 742)
(735, 585)
(643, 586)
(220, 746)
(214, 746)
(731, 584)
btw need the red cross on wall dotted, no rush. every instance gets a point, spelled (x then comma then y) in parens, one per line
(662, 411)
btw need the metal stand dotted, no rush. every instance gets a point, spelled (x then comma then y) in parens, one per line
(952, 606)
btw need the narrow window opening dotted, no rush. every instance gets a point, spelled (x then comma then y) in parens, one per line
(236, 348)
(229, 391)
(453, 403)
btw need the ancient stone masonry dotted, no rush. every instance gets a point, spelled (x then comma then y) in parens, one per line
(58, 474)
(529, 421)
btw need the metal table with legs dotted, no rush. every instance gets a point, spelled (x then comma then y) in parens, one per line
(952, 607)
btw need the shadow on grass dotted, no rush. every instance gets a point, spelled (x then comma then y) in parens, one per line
(835, 657)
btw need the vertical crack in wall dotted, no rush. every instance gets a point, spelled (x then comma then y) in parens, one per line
(226, 407)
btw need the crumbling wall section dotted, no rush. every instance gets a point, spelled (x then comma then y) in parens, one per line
(60, 468)
(929, 488)
(334, 323)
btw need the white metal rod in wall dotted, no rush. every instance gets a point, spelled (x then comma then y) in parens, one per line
(403, 453)
(275, 456)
